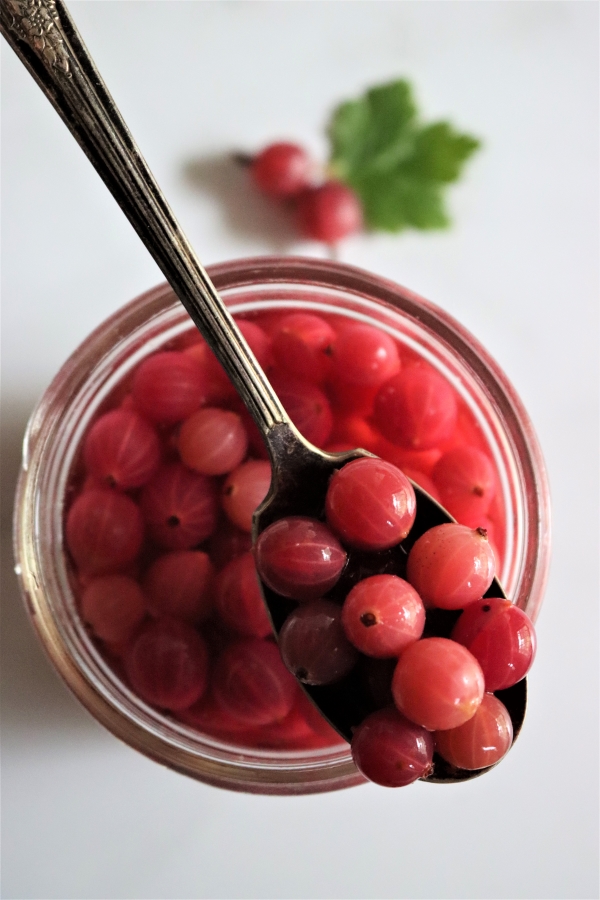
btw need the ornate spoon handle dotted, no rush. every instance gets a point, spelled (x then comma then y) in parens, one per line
(45, 38)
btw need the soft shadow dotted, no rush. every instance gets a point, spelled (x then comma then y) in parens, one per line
(246, 211)
(34, 699)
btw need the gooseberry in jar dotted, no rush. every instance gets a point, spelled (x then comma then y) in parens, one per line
(226, 543)
(244, 490)
(251, 683)
(179, 584)
(424, 482)
(180, 507)
(302, 345)
(122, 449)
(217, 387)
(167, 664)
(238, 598)
(364, 356)
(307, 406)
(416, 408)
(466, 481)
(259, 342)
(104, 531)
(113, 606)
(168, 386)
(212, 441)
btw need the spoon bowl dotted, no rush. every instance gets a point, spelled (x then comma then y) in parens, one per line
(300, 475)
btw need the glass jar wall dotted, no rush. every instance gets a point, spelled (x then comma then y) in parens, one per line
(91, 375)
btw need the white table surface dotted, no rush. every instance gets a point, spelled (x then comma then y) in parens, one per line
(84, 816)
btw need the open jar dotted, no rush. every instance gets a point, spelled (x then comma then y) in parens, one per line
(81, 388)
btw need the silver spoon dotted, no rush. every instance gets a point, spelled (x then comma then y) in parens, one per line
(43, 35)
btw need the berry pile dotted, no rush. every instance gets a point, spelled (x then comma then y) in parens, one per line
(436, 691)
(158, 532)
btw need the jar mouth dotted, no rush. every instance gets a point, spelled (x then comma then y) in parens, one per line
(87, 379)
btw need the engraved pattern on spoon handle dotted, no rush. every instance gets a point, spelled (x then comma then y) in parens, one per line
(45, 38)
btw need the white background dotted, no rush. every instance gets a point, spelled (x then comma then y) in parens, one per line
(85, 816)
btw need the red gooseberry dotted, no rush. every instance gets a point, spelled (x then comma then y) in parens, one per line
(451, 565)
(299, 557)
(370, 504)
(437, 684)
(390, 750)
(480, 742)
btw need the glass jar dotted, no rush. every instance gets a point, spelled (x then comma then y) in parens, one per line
(64, 413)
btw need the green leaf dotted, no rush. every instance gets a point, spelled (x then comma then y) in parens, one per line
(395, 203)
(348, 131)
(398, 167)
(393, 115)
(374, 132)
(440, 152)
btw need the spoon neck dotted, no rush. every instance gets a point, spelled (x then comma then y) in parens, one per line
(210, 315)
